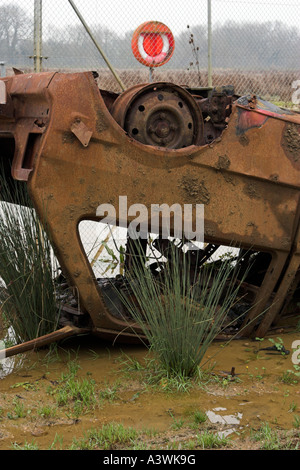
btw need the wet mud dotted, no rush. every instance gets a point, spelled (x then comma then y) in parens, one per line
(245, 387)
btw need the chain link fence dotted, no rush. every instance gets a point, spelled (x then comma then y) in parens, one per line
(250, 44)
(255, 45)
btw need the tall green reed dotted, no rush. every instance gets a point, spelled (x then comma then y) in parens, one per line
(27, 299)
(179, 309)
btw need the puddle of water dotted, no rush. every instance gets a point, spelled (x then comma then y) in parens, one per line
(225, 420)
(258, 395)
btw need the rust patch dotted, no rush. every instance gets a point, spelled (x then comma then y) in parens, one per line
(244, 140)
(229, 179)
(251, 191)
(274, 177)
(291, 143)
(194, 190)
(101, 124)
(68, 137)
(223, 163)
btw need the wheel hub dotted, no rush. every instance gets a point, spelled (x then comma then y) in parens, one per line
(161, 114)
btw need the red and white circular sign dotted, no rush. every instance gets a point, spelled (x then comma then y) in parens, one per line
(153, 44)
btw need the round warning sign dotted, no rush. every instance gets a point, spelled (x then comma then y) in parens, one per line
(153, 44)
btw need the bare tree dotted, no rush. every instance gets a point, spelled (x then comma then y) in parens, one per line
(15, 27)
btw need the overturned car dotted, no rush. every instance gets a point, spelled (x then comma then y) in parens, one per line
(77, 146)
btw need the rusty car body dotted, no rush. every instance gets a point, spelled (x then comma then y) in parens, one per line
(76, 146)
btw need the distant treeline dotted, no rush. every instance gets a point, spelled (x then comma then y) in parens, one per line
(247, 46)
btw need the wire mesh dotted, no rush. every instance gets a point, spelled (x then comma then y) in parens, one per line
(255, 44)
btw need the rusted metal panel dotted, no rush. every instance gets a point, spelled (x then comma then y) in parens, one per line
(75, 156)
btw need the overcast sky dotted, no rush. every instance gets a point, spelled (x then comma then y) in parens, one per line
(127, 15)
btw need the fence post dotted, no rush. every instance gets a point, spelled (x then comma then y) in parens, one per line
(209, 34)
(37, 36)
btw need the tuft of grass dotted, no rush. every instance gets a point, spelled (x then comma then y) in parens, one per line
(19, 410)
(199, 417)
(210, 440)
(107, 437)
(293, 407)
(291, 376)
(109, 393)
(26, 266)
(296, 423)
(270, 439)
(151, 374)
(180, 313)
(78, 394)
(47, 411)
(57, 443)
(26, 446)
(176, 423)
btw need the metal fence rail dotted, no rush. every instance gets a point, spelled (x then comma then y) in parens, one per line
(253, 45)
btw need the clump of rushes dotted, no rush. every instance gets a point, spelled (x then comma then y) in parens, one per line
(27, 293)
(180, 311)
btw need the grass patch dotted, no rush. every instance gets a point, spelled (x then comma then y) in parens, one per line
(291, 376)
(47, 411)
(150, 374)
(19, 410)
(109, 436)
(273, 439)
(77, 393)
(176, 423)
(26, 446)
(296, 422)
(109, 393)
(26, 267)
(199, 417)
(210, 440)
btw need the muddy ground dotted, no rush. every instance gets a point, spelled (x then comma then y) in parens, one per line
(86, 394)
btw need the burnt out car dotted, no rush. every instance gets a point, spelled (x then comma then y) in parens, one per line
(76, 146)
